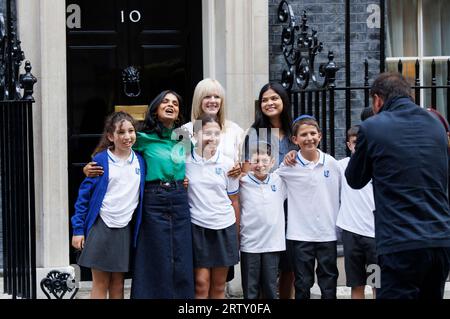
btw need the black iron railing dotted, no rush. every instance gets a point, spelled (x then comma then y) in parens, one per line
(18, 218)
(17, 166)
(300, 48)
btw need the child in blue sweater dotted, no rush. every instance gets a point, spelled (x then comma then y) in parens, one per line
(105, 206)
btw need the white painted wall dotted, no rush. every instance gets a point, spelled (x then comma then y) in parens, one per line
(236, 52)
(42, 32)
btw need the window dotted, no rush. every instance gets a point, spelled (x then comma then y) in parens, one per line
(420, 30)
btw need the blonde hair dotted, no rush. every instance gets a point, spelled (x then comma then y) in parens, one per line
(204, 88)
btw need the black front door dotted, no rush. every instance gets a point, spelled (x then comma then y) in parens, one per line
(162, 40)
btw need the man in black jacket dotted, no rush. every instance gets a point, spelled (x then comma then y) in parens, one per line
(403, 149)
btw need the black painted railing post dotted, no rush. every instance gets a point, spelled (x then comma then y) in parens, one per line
(448, 95)
(331, 119)
(302, 102)
(27, 82)
(316, 107)
(295, 105)
(17, 166)
(9, 44)
(433, 84)
(324, 122)
(400, 66)
(348, 77)
(329, 71)
(417, 82)
(382, 36)
(366, 83)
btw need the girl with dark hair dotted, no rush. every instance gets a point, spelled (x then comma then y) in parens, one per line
(163, 266)
(273, 126)
(105, 207)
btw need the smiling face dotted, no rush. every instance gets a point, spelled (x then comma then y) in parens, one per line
(271, 104)
(124, 137)
(208, 139)
(211, 103)
(168, 110)
(307, 138)
(261, 164)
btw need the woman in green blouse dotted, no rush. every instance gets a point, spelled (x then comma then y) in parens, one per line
(163, 263)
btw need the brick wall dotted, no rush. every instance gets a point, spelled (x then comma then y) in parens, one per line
(328, 18)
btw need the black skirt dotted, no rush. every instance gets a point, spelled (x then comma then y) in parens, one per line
(215, 247)
(107, 249)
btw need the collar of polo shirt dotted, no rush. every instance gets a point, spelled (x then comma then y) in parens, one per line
(257, 180)
(199, 159)
(115, 159)
(304, 162)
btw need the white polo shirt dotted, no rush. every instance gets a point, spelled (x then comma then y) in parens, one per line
(313, 198)
(262, 214)
(208, 190)
(122, 193)
(230, 139)
(357, 206)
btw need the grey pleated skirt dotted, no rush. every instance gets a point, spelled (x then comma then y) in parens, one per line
(215, 247)
(107, 249)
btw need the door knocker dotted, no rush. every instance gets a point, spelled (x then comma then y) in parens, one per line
(130, 80)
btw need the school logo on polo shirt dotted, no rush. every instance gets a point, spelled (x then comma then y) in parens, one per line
(137, 170)
(218, 170)
(274, 188)
(326, 173)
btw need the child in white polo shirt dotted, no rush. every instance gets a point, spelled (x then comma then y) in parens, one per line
(107, 207)
(214, 206)
(356, 220)
(262, 225)
(313, 185)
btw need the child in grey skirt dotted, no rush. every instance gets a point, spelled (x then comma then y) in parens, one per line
(106, 205)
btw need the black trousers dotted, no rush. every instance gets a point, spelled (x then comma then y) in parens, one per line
(414, 274)
(259, 274)
(303, 256)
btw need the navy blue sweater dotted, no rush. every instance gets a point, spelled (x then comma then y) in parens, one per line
(91, 193)
(403, 149)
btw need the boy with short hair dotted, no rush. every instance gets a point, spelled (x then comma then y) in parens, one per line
(262, 231)
(356, 220)
(313, 185)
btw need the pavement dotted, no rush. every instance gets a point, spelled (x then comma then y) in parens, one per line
(234, 290)
(342, 291)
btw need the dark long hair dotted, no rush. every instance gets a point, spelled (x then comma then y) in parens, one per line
(110, 126)
(263, 121)
(151, 122)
